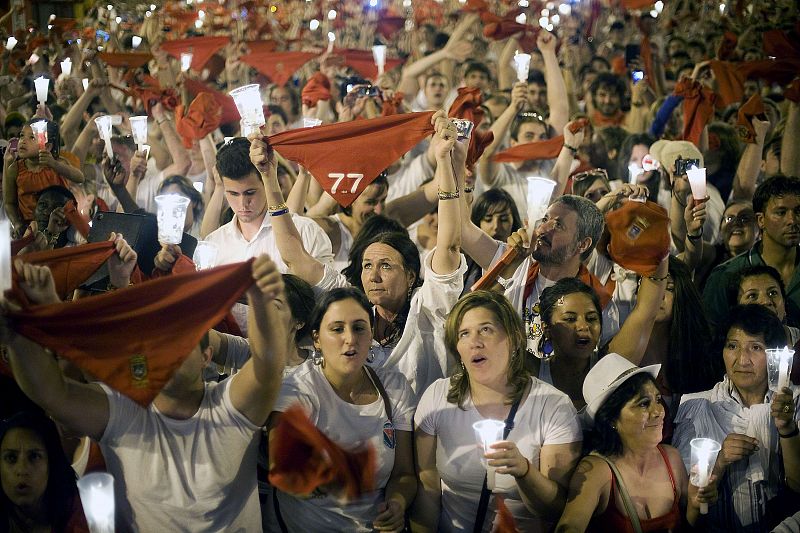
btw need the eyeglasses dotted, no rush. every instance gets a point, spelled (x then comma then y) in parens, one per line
(594, 173)
(741, 219)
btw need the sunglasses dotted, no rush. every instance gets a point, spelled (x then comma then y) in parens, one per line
(594, 173)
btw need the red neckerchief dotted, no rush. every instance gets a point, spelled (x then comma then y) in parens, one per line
(583, 274)
(599, 120)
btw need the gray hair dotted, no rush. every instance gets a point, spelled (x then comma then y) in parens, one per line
(590, 220)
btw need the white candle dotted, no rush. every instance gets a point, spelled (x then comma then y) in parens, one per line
(697, 181)
(40, 130)
(103, 124)
(331, 39)
(248, 103)
(136, 41)
(487, 433)
(146, 150)
(704, 455)
(186, 61)
(139, 130)
(5, 255)
(97, 497)
(540, 191)
(779, 366)
(379, 54)
(634, 171)
(171, 216)
(85, 82)
(66, 67)
(11, 43)
(42, 84)
(523, 65)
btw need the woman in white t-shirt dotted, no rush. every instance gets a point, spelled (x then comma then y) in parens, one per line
(533, 463)
(352, 405)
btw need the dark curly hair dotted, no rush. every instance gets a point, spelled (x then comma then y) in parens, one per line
(605, 438)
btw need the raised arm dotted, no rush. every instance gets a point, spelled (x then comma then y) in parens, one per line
(287, 238)
(10, 200)
(71, 122)
(506, 74)
(82, 408)
(744, 183)
(214, 206)
(790, 155)
(566, 156)
(255, 387)
(499, 129)
(453, 50)
(180, 156)
(556, 88)
(447, 255)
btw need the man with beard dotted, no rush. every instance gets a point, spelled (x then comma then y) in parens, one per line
(557, 249)
(607, 94)
(776, 204)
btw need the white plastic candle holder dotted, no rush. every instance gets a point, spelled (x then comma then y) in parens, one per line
(311, 122)
(205, 255)
(11, 43)
(146, 150)
(634, 171)
(171, 214)
(697, 181)
(248, 102)
(464, 128)
(40, 130)
(540, 190)
(379, 54)
(5, 255)
(104, 125)
(66, 67)
(522, 63)
(186, 61)
(139, 130)
(779, 366)
(704, 455)
(136, 41)
(42, 85)
(85, 83)
(97, 496)
(487, 432)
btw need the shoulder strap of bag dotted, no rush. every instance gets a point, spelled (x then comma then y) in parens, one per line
(483, 504)
(633, 516)
(373, 376)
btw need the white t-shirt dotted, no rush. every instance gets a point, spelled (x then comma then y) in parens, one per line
(147, 190)
(410, 177)
(545, 417)
(350, 426)
(188, 475)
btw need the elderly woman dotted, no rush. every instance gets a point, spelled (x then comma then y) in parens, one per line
(39, 492)
(409, 313)
(536, 456)
(759, 464)
(630, 482)
(351, 404)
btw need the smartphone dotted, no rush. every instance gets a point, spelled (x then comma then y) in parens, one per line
(13, 144)
(637, 76)
(632, 53)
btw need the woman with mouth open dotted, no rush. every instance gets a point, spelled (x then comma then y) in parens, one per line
(409, 313)
(532, 463)
(630, 482)
(39, 490)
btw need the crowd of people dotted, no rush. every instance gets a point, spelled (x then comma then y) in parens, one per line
(381, 279)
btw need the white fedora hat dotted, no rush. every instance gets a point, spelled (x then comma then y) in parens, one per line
(605, 377)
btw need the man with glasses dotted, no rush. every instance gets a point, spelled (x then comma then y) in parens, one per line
(776, 206)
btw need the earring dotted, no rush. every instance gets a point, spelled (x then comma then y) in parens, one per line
(316, 357)
(546, 347)
(463, 368)
(410, 290)
(371, 355)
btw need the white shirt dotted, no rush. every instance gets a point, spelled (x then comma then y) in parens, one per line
(420, 354)
(234, 248)
(350, 426)
(342, 257)
(546, 416)
(408, 178)
(147, 190)
(188, 475)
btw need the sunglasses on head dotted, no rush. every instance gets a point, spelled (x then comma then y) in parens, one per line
(594, 173)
